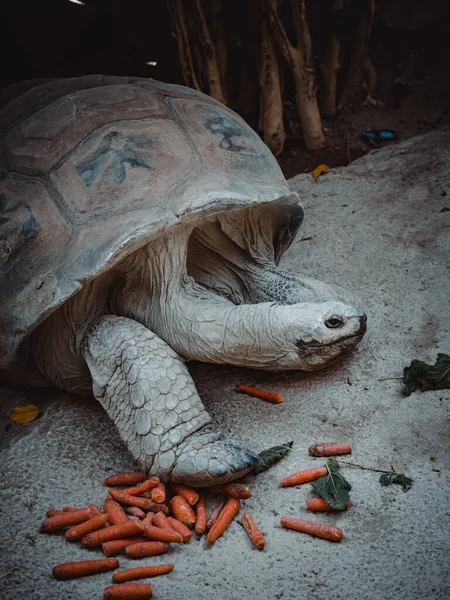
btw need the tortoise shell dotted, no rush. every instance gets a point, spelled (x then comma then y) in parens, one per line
(91, 168)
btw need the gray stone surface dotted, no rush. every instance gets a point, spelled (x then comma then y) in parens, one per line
(378, 226)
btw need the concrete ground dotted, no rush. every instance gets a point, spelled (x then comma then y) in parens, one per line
(378, 226)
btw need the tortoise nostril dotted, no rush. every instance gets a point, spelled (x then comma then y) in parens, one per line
(362, 324)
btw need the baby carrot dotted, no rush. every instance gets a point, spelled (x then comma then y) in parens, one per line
(125, 478)
(94, 510)
(200, 510)
(65, 519)
(143, 503)
(81, 568)
(113, 532)
(160, 520)
(140, 488)
(255, 535)
(182, 511)
(158, 493)
(261, 394)
(187, 492)
(142, 549)
(115, 512)
(53, 511)
(235, 490)
(330, 449)
(135, 512)
(304, 476)
(214, 514)
(117, 546)
(321, 505)
(227, 514)
(322, 530)
(78, 531)
(180, 528)
(128, 591)
(141, 572)
(161, 534)
(148, 519)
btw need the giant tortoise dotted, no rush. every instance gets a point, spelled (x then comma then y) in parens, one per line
(141, 227)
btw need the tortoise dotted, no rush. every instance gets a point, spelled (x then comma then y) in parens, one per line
(142, 226)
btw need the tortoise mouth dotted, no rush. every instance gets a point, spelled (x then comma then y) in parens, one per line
(314, 347)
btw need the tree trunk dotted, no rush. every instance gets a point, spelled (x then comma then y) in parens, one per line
(357, 50)
(271, 100)
(329, 66)
(184, 49)
(219, 37)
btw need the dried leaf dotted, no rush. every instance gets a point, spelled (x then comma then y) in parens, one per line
(269, 457)
(24, 414)
(319, 170)
(398, 478)
(427, 377)
(333, 488)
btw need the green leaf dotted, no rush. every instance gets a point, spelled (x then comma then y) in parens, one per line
(398, 478)
(333, 488)
(269, 457)
(427, 377)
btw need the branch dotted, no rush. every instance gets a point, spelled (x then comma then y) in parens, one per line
(278, 32)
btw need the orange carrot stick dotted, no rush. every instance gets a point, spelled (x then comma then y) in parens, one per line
(253, 532)
(161, 534)
(273, 397)
(235, 490)
(330, 449)
(182, 511)
(65, 519)
(136, 512)
(160, 520)
(142, 549)
(52, 512)
(94, 510)
(227, 514)
(113, 532)
(158, 493)
(304, 476)
(69, 508)
(214, 514)
(117, 546)
(115, 512)
(81, 568)
(200, 510)
(148, 519)
(180, 528)
(321, 505)
(78, 531)
(125, 478)
(140, 488)
(187, 492)
(322, 530)
(128, 591)
(143, 503)
(141, 572)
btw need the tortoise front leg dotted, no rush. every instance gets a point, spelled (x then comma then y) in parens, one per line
(148, 392)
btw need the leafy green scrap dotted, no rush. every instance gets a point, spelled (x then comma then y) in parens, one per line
(420, 375)
(333, 488)
(397, 478)
(272, 455)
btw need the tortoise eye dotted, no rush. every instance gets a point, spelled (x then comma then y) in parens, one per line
(334, 322)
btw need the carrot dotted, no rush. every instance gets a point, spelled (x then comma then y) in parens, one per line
(214, 514)
(135, 512)
(253, 532)
(78, 531)
(182, 511)
(235, 490)
(148, 519)
(321, 505)
(108, 498)
(304, 476)
(115, 512)
(81, 568)
(187, 492)
(128, 591)
(65, 519)
(143, 503)
(160, 520)
(180, 528)
(95, 511)
(162, 535)
(261, 394)
(53, 511)
(141, 572)
(113, 532)
(227, 514)
(322, 530)
(330, 449)
(142, 549)
(200, 510)
(69, 508)
(126, 478)
(140, 488)
(117, 546)
(158, 493)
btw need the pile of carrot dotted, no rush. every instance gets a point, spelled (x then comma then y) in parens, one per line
(140, 520)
